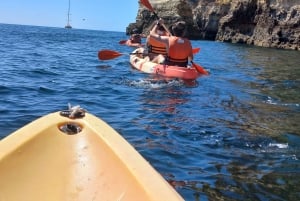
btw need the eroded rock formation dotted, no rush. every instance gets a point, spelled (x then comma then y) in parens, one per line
(266, 23)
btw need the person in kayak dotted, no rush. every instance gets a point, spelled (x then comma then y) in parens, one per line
(179, 48)
(135, 38)
(155, 47)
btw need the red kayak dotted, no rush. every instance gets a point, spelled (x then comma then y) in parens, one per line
(185, 73)
(130, 44)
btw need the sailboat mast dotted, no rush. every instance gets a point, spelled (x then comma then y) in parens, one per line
(68, 23)
(69, 11)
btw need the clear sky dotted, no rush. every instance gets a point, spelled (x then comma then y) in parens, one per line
(109, 15)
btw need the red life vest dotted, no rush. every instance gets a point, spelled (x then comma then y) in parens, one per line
(179, 51)
(156, 47)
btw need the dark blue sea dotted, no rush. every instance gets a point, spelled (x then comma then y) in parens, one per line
(232, 135)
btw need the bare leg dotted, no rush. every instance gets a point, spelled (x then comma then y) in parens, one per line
(159, 59)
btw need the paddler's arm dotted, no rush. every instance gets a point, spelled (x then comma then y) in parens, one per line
(153, 34)
(152, 29)
(159, 38)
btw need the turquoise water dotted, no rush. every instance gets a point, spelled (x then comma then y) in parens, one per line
(232, 135)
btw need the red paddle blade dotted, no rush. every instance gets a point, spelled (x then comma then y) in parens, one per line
(147, 4)
(122, 42)
(196, 50)
(200, 69)
(108, 54)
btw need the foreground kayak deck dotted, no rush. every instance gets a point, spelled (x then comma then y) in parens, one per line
(42, 162)
(138, 62)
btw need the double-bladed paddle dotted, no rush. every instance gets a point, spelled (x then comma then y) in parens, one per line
(122, 42)
(199, 68)
(147, 4)
(108, 54)
(196, 50)
(111, 54)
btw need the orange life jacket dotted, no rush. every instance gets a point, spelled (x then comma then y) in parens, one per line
(156, 47)
(179, 51)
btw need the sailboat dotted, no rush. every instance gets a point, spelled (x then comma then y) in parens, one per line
(68, 26)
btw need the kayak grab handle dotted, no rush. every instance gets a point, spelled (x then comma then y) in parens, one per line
(70, 128)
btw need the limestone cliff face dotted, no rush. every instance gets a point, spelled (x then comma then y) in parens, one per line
(267, 23)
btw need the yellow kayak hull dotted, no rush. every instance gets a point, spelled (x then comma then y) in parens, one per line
(41, 162)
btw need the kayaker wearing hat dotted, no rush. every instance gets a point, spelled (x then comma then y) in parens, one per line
(179, 49)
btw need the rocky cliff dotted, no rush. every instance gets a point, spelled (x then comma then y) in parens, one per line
(266, 23)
